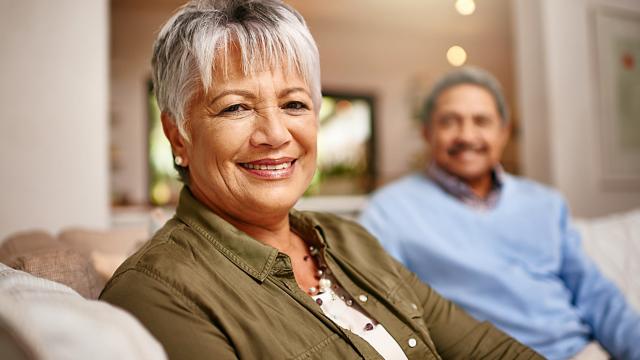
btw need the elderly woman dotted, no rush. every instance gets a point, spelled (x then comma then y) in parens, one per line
(237, 273)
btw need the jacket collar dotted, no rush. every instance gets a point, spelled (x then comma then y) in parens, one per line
(250, 255)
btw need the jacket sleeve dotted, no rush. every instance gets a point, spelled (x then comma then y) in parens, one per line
(182, 329)
(615, 325)
(456, 334)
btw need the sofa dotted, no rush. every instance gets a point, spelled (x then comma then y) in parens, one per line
(73, 266)
(43, 319)
(613, 242)
(49, 287)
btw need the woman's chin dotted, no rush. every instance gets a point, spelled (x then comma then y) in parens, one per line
(275, 196)
(274, 199)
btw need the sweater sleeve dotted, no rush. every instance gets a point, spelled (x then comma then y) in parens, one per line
(615, 325)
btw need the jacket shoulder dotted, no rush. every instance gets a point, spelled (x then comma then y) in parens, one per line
(354, 245)
(159, 257)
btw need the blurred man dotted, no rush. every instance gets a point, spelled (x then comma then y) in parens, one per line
(499, 245)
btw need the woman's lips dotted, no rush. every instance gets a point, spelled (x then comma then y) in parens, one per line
(272, 169)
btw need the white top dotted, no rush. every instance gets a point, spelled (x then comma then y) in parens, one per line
(347, 314)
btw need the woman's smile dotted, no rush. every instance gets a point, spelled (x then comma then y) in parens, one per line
(270, 169)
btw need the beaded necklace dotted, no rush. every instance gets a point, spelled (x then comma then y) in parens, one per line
(324, 283)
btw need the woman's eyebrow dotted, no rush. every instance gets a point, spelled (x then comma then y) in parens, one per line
(289, 91)
(243, 93)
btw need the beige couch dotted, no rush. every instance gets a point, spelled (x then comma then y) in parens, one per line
(84, 259)
(48, 306)
(42, 319)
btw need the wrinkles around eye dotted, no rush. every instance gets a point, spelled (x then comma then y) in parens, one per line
(235, 108)
(235, 111)
(296, 107)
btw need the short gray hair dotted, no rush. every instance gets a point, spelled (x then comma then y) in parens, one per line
(268, 34)
(466, 75)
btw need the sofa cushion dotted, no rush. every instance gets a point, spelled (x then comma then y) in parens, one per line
(42, 255)
(55, 322)
(12, 345)
(613, 242)
(113, 241)
(24, 242)
(107, 249)
(64, 265)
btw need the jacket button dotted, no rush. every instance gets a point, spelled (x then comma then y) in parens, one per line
(363, 298)
(414, 306)
(412, 342)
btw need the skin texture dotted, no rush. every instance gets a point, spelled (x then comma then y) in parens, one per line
(265, 118)
(467, 135)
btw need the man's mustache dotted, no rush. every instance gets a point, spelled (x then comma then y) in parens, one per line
(459, 147)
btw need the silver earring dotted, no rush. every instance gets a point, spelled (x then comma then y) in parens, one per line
(178, 160)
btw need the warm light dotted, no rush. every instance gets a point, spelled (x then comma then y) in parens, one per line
(456, 55)
(161, 193)
(465, 7)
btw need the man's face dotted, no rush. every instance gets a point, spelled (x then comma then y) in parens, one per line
(466, 132)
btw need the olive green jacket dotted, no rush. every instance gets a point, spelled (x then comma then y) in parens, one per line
(206, 290)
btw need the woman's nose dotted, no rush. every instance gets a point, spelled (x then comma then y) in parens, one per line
(270, 129)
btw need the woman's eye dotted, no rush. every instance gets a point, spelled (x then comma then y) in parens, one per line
(236, 111)
(296, 105)
(234, 108)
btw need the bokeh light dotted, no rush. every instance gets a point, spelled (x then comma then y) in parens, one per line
(456, 55)
(465, 7)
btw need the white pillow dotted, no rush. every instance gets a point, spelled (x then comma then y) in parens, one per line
(613, 242)
(58, 323)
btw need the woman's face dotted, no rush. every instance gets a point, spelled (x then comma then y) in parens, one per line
(252, 151)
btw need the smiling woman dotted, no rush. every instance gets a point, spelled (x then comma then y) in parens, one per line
(237, 273)
(252, 147)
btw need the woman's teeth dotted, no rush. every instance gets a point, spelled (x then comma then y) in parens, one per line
(266, 167)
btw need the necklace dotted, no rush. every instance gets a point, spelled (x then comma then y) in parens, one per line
(324, 283)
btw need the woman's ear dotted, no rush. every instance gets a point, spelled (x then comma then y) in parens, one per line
(171, 131)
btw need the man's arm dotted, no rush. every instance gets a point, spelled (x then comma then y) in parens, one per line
(615, 325)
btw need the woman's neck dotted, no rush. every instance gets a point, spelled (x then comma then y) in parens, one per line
(278, 235)
(268, 226)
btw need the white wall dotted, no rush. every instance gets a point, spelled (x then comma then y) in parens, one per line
(53, 127)
(558, 97)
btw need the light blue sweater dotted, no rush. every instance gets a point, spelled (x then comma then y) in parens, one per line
(519, 265)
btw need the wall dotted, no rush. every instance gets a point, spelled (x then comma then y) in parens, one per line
(398, 64)
(54, 135)
(558, 87)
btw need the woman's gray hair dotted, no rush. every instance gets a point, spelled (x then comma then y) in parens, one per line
(201, 35)
(466, 75)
